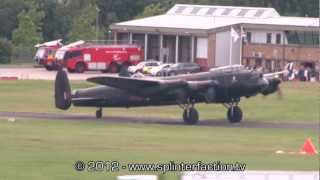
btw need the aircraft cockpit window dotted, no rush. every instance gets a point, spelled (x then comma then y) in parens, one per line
(231, 68)
(227, 70)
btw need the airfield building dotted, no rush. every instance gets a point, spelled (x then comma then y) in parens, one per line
(221, 35)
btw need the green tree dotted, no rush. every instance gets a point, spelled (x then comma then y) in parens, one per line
(120, 10)
(29, 31)
(153, 9)
(8, 16)
(5, 51)
(59, 15)
(84, 25)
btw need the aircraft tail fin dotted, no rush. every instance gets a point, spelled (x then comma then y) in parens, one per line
(62, 90)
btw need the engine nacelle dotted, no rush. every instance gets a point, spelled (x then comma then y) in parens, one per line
(272, 86)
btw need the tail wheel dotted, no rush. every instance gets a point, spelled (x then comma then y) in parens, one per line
(80, 68)
(234, 114)
(113, 68)
(190, 116)
(99, 113)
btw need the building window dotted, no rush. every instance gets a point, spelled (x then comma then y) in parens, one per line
(202, 48)
(153, 47)
(243, 12)
(268, 65)
(248, 37)
(211, 11)
(226, 12)
(195, 10)
(269, 38)
(123, 38)
(180, 9)
(138, 39)
(278, 38)
(259, 13)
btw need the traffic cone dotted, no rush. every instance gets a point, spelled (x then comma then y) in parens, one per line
(308, 148)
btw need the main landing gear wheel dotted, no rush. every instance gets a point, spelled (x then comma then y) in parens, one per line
(99, 113)
(234, 114)
(190, 116)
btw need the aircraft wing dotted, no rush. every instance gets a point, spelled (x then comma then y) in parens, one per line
(275, 74)
(151, 86)
(139, 86)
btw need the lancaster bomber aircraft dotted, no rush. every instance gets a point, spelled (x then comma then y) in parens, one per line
(225, 85)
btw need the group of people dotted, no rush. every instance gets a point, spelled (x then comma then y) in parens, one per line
(294, 72)
(302, 72)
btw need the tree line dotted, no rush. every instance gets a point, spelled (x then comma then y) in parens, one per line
(25, 23)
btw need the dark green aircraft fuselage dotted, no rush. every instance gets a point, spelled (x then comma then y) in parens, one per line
(230, 86)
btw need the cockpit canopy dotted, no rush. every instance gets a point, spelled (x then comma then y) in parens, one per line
(231, 68)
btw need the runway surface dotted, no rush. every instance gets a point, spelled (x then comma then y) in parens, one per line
(153, 120)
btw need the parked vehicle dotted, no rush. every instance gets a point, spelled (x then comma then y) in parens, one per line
(137, 68)
(181, 68)
(106, 58)
(156, 71)
(147, 69)
(45, 53)
(140, 66)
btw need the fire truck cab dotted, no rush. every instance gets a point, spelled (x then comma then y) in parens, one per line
(106, 58)
(46, 52)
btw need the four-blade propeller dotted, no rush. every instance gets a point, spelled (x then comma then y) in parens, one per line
(273, 84)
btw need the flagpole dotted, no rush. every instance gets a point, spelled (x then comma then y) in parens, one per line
(230, 53)
(241, 41)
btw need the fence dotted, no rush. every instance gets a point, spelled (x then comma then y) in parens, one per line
(23, 55)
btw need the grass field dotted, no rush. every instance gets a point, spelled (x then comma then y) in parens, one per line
(45, 150)
(18, 65)
(299, 104)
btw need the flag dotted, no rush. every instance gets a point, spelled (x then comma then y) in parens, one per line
(243, 33)
(234, 35)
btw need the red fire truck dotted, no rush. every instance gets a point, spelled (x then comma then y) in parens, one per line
(45, 53)
(106, 58)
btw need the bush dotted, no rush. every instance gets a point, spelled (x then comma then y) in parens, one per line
(5, 51)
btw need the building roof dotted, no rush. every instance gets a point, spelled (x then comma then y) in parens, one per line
(222, 11)
(202, 19)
